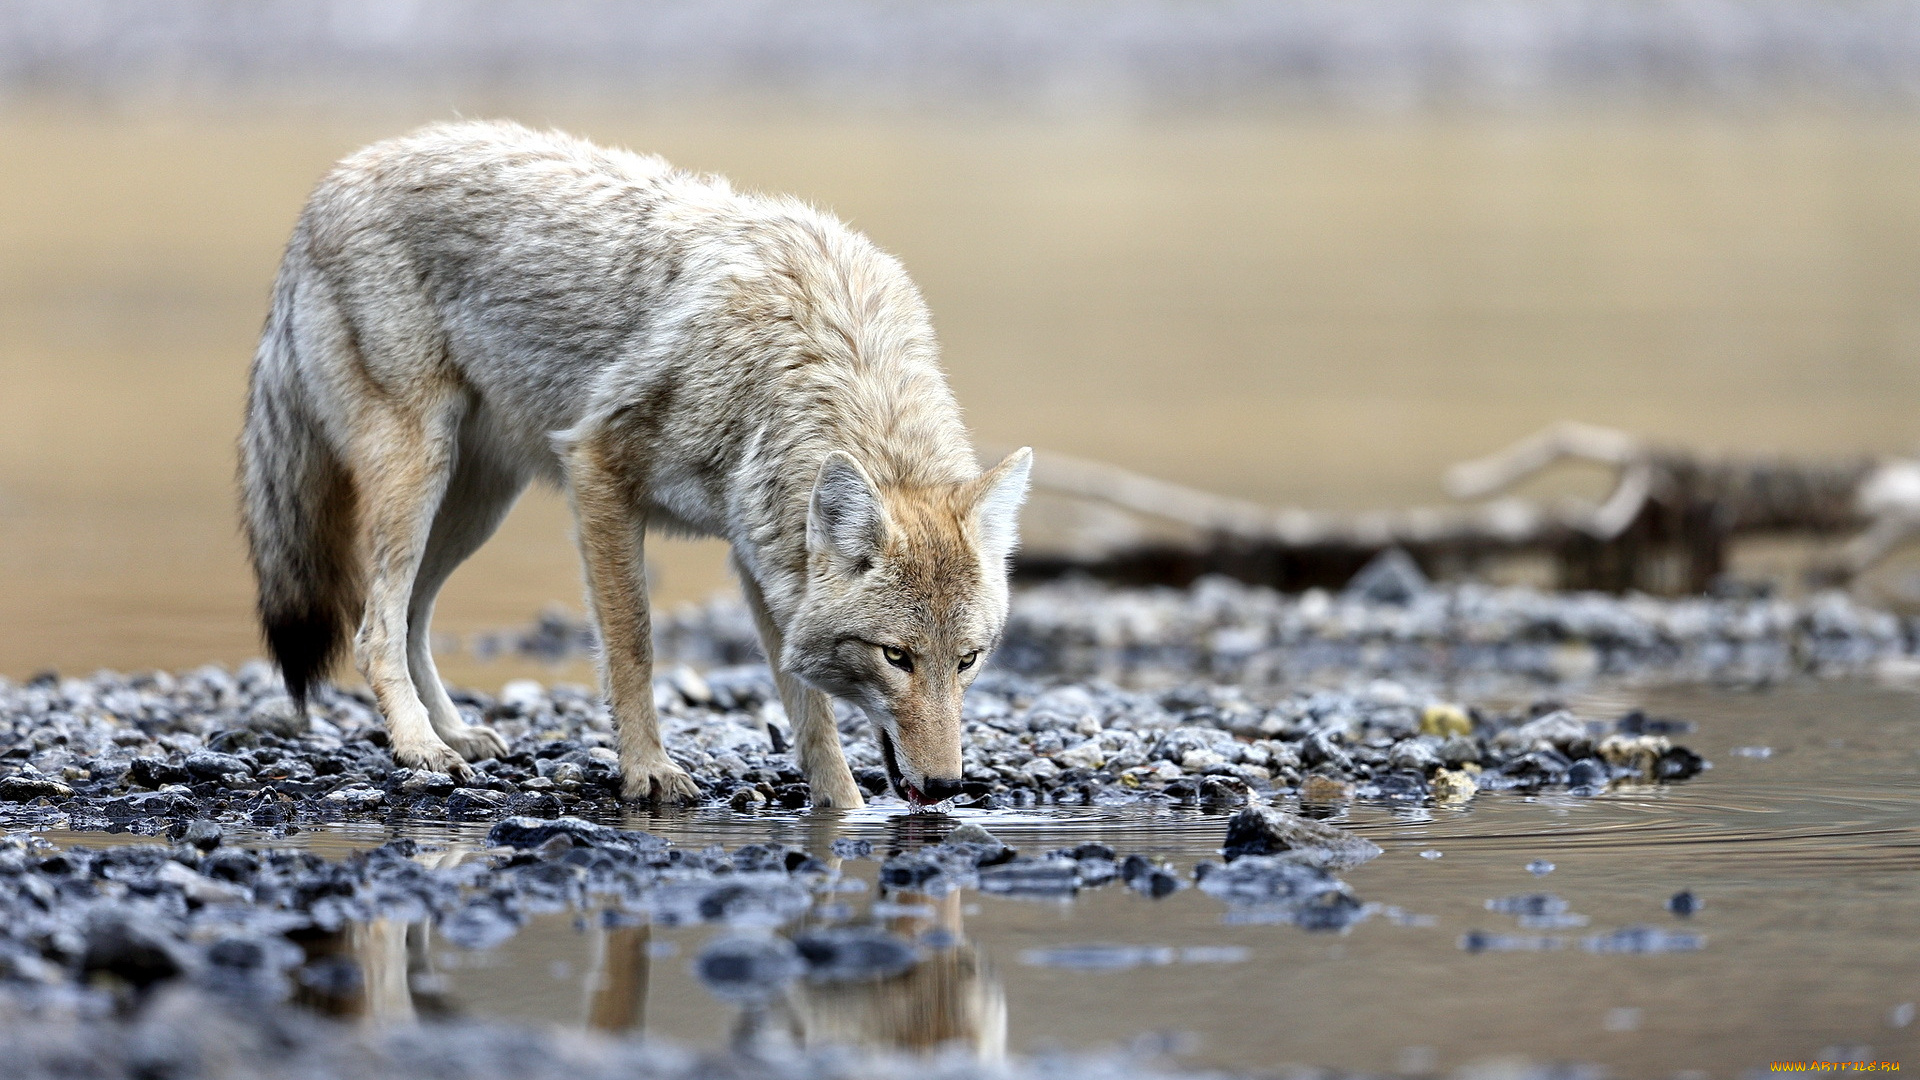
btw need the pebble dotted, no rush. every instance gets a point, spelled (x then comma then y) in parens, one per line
(1454, 786)
(1325, 789)
(1260, 830)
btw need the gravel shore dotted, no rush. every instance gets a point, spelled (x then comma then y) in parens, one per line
(146, 752)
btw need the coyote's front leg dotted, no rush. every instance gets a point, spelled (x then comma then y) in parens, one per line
(816, 739)
(611, 533)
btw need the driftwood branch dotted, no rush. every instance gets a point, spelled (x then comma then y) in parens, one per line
(1665, 527)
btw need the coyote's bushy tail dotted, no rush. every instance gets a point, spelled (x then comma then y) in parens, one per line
(298, 503)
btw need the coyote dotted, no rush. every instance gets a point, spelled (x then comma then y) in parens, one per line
(477, 305)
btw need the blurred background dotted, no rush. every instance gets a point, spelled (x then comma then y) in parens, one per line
(1300, 253)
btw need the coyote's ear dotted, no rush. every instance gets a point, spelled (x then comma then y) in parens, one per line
(845, 518)
(996, 507)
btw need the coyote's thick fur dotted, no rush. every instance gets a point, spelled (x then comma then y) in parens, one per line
(476, 305)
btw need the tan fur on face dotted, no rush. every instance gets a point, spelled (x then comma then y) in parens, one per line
(935, 564)
(934, 586)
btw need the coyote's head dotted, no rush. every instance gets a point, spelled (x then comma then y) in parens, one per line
(906, 597)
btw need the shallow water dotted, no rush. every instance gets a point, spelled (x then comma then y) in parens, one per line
(1807, 943)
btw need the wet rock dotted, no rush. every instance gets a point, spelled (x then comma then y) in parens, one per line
(972, 844)
(1260, 830)
(1639, 754)
(475, 803)
(277, 715)
(131, 950)
(1678, 763)
(970, 833)
(1684, 903)
(1454, 786)
(1421, 755)
(1445, 721)
(356, 798)
(199, 833)
(196, 887)
(1402, 786)
(1532, 771)
(1218, 792)
(1460, 750)
(211, 765)
(528, 832)
(423, 782)
(156, 772)
(1325, 789)
(1587, 776)
(251, 968)
(1319, 750)
(29, 788)
(1559, 731)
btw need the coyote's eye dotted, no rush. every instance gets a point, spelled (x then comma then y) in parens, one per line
(897, 656)
(967, 661)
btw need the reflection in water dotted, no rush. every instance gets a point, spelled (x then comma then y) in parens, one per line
(384, 971)
(617, 979)
(950, 998)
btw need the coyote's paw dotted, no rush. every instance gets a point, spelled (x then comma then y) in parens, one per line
(659, 782)
(837, 793)
(476, 743)
(434, 756)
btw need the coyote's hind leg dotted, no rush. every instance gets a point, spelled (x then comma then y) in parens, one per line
(400, 467)
(478, 497)
(612, 529)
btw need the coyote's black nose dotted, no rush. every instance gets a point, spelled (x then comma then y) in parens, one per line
(939, 790)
